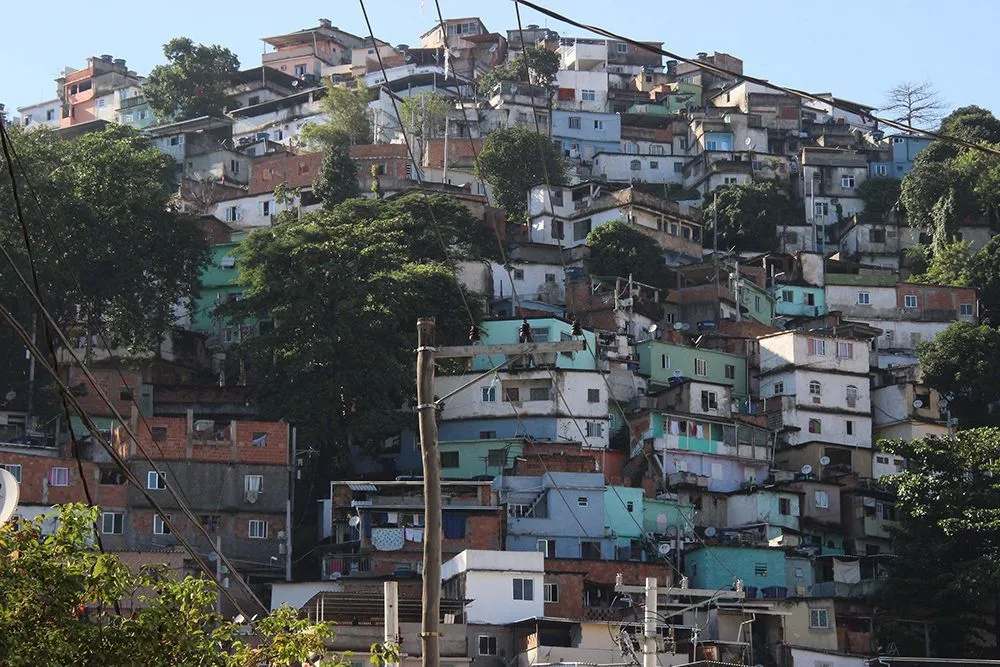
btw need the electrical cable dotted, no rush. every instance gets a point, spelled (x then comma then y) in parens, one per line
(843, 105)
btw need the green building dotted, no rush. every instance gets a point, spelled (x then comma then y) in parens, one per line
(660, 361)
(219, 285)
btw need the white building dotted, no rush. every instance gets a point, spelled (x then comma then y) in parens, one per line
(254, 211)
(631, 167)
(43, 114)
(816, 387)
(503, 586)
(278, 120)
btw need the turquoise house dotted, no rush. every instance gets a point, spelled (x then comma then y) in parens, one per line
(219, 285)
(799, 301)
(543, 330)
(468, 459)
(756, 303)
(660, 361)
(666, 517)
(623, 512)
(717, 567)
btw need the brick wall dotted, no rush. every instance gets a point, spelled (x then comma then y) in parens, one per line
(177, 441)
(296, 171)
(36, 489)
(110, 382)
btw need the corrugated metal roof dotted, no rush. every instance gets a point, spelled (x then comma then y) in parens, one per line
(362, 486)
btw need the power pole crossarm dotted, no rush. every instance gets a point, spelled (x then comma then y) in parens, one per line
(427, 412)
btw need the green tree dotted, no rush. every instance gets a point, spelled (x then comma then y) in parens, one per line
(880, 196)
(948, 535)
(951, 264)
(985, 276)
(337, 180)
(749, 214)
(105, 221)
(619, 249)
(347, 115)
(964, 361)
(193, 82)
(60, 591)
(542, 67)
(424, 114)
(515, 159)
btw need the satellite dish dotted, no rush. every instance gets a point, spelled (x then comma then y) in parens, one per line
(749, 141)
(10, 395)
(652, 328)
(678, 326)
(943, 403)
(685, 326)
(335, 576)
(824, 460)
(806, 469)
(664, 548)
(671, 531)
(917, 403)
(710, 531)
(354, 521)
(9, 495)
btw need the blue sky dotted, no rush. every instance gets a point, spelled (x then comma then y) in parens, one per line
(855, 49)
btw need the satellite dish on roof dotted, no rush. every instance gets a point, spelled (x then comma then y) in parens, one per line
(10, 395)
(664, 548)
(678, 326)
(749, 141)
(9, 495)
(652, 328)
(685, 326)
(710, 531)
(354, 521)
(824, 460)
(806, 469)
(917, 403)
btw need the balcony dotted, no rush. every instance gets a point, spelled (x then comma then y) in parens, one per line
(335, 566)
(687, 479)
(132, 102)
(836, 589)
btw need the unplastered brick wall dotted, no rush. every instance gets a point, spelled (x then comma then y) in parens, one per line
(174, 439)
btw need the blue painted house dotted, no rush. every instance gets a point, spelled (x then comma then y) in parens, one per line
(904, 151)
(561, 514)
(584, 134)
(543, 330)
(717, 566)
(799, 301)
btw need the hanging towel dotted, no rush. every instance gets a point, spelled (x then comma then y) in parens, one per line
(847, 571)
(700, 432)
(675, 428)
(387, 539)
(414, 535)
(392, 517)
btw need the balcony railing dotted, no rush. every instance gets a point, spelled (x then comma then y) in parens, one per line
(335, 566)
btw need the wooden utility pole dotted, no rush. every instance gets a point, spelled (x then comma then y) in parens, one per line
(427, 412)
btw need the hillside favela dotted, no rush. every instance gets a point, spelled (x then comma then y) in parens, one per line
(520, 345)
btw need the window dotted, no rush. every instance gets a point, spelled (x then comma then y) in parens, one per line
(598, 124)
(581, 228)
(849, 426)
(810, 299)
(487, 645)
(449, 459)
(612, 421)
(518, 274)
(265, 208)
(232, 213)
(621, 47)
(788, 296)
(881, 170)
(588, 95)
(58, 476)
(156, 480)
(815, 388)
(664, 361)
(489, 394)
(822, 499)
(876, 236)
(547, 547)
(629, 506)
(258, 439)
(174, 141)
(49, 115)
(779, 388)
(512, 394)
(491, 435)
(253, 483)
(595, 429)
(701, 367)
(730, 180)
(864, 298)
(14, 469)
(760, 569)
(678, 167)
(128, 118)
(300, 71)
(730, 372)
(847, 181)
(845, 350)
(540, 335)
(112, 523)
(234, 166)
(257, 530)
(815, 426)
(817, 347)
(910, 301)
(582, 501)
(593, 395)
(657, 149)
(653, 164)
(551, 592)
(965, 309)
(852, 396)
(821, 208)
(524, 589)
(635, 165)
(550, 278)
(574, 122)
(539, 394)
(884, 460)
(160, 526)
(709, 401)
(819, 619)
(142, 114)
(784, 506)
(557, 229)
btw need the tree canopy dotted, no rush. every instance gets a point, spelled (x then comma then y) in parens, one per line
(749, 214)
(515, 159)
(347, 115)
(948, 535)
(963, 361)
(59, 594)
(337, 180)
(193, 81)
(619, 249)
(880, 196)
(985, 277)
(542, 67)
(950, 264)
(106, 221)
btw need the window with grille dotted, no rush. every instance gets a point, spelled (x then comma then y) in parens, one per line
(595, 429)
(819, 618)
(760, 569)
(14, 469)
(817, 347)
(257, 530)
(701, 367)
(593, 395)
(487, 645)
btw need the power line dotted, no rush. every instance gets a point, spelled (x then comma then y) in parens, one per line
(833, 102)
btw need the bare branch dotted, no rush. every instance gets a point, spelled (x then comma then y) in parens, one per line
(915, 103)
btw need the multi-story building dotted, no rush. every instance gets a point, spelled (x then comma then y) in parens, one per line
(86, 94)
(583, 134)
(43, 114)
(201, 152)
(829, 186)
(305, 53)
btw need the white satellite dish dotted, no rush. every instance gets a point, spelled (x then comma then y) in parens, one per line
(652, 328)
(335, 576)
(10, 493)
(678, 326)
(685, 326)
(917, 403)
(354, 521)
(806, 469)
(824, 460)
(664, 548)
(749, 141)
(10, 395)
(710, 531)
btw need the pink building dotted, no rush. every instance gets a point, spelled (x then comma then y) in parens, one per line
(81, 90)
(306, 52)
